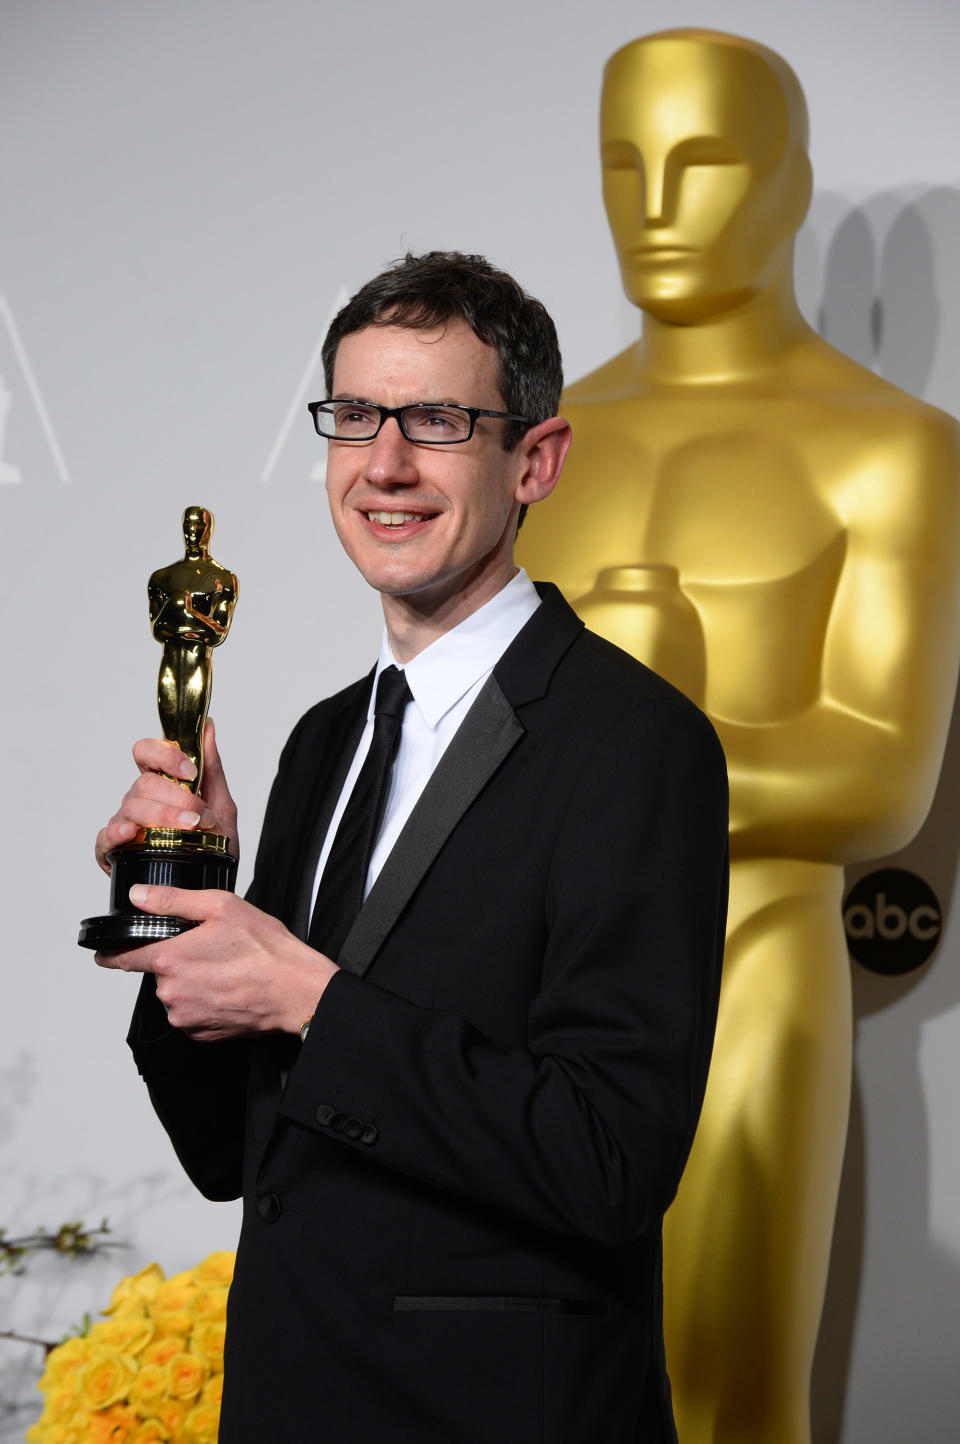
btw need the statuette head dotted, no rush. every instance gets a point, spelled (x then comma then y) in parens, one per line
(197, 527)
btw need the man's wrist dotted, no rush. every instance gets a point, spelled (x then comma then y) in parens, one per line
(302, 1001)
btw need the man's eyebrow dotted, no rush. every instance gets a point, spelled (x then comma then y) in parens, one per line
(420, 401)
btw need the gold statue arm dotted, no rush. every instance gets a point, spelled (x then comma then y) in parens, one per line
(798, 787)
(222, 607)
(157, 597)
(173, 613)
(166, 610)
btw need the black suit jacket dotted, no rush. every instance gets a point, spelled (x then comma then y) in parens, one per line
(452, 1211)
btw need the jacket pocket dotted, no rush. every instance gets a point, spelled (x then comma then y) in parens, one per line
(497, 1303)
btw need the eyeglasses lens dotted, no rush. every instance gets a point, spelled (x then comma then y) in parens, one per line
(353, 421)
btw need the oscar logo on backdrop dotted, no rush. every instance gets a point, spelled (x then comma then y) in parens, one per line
(191, 608)
(37, 452)
(777, 530)
(9, 474)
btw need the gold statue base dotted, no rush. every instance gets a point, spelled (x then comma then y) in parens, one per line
(165, 856)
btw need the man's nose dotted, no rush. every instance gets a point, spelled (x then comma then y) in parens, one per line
(390, 456)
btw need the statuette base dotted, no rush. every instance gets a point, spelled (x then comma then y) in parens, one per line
(167, 857)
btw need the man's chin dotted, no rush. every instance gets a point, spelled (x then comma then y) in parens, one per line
(417, 594)
(416, 591)
(392, 580)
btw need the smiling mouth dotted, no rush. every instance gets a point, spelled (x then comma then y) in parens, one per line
(397, 518)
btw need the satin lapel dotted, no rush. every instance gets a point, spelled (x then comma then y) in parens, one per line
(338, 751)
(488, 733)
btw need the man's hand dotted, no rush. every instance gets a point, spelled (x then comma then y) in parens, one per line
(239, 973)
(156, 800)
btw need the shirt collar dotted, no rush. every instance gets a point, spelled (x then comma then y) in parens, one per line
(446, 670)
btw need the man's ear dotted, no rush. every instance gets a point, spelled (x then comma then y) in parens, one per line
(543, 449)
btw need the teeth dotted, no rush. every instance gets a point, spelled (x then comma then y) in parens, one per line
(393, 518)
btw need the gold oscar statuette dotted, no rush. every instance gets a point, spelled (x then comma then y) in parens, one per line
(191, 608)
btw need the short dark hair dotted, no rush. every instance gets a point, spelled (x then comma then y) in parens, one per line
(422, 292)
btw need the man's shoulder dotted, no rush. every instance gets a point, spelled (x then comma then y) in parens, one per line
(614, 686)
(556, 653)
(622, 673)
(342, 701)
(578, 691)
(329, 715)
(617, 736)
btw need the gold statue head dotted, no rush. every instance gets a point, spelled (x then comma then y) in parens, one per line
(706, 177)
(197, 530)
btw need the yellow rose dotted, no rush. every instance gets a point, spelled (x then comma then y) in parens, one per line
(188, 1374)
(64, 1361)
(161, 1351)
(216, 1269)
(133, 1294)
(69, 1432)
(151, 1431)
(210, 1304)
(202, 1424)
(172, 1321)
(171, 1414)
(185, 1276)
(111, 1426)
(104, 1380)
(207, 1341)
(177, 1293)
(212, 1391)
(150, 1385)
(61, 1401)
(128, 1334)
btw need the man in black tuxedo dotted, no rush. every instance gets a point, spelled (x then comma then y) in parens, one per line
(457, 1119)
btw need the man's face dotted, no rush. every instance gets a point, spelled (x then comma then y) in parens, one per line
(697, 188)
(431, 524)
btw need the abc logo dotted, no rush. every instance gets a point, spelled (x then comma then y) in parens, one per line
(892, 921)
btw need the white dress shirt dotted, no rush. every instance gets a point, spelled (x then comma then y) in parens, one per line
(444, 680)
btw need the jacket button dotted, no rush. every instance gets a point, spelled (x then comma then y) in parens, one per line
(370, 1134)
(337, 1122)
(324, 1115)
(353, 1128)
(269, 1207)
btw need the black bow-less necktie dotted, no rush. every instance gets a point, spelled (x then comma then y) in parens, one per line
(340, 894)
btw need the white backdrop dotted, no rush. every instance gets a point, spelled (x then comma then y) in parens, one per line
(185, 191)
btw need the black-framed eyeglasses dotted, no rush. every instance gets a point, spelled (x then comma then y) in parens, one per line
(421, 421)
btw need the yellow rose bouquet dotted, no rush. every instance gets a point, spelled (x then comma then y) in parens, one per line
(151, 1372)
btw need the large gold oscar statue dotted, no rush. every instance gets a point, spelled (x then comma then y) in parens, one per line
(777, 530)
